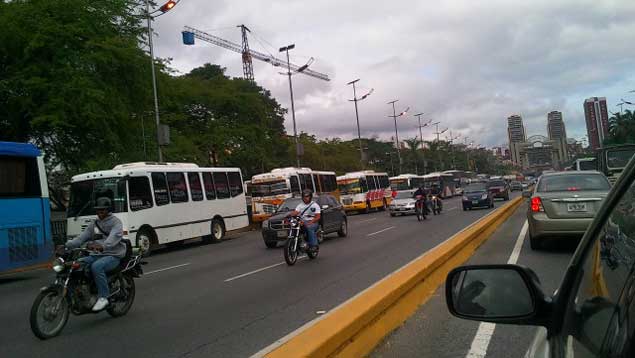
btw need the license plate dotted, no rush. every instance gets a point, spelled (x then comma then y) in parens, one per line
(576, 207)
(475, 202)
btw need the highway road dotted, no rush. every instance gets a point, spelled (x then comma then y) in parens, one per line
(433, 332)
(230, 299)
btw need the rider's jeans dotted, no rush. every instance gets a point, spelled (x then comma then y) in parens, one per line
(311, 234)
(99, 265)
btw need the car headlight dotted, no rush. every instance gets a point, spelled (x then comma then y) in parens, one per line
(58, 265)
(465, 198)
(265, 223)
(484, 196)
(410, 205)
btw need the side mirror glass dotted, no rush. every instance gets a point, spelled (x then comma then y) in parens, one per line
(499, 293)
(526, 194)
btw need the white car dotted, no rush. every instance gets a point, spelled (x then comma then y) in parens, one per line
(403, 203)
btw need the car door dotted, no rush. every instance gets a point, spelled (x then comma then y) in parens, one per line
(326, 213)
(599, 320)
(338, 213)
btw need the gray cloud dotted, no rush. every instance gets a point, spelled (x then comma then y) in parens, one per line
(469, 64)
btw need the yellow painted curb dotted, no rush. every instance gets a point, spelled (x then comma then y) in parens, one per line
(355, 328)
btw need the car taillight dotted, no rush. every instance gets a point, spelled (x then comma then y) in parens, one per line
(536, 204)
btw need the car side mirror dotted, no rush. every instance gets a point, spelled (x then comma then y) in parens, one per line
(509, 294)
(325, 206)
(526, 194)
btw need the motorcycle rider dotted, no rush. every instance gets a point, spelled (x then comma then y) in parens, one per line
(422, 192)
(104, 236)
(435, 190)
(309, 212)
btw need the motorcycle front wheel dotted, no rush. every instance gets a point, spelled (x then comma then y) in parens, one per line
(121, 302)
(48, 315)
(290, 255)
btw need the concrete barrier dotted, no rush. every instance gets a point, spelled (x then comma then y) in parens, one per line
(354, 328)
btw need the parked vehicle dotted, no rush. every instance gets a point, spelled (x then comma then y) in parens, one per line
(162, 203)
(515, 186)
(499, 189)
(332, 220)
(74, 291)
(364, 190)
(403, 203)
(25, 214)
(563, 204)
(477, 195)
(296, 243)
(590, 314)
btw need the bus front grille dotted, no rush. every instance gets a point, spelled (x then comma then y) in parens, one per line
(22, 244)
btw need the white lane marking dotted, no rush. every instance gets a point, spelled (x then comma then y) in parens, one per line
(365, 221)
(261, 353)
(259, 270)
(380, 231)
(166, 268)
(485, 331)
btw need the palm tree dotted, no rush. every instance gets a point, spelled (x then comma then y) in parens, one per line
(621, 128)
(413, 145)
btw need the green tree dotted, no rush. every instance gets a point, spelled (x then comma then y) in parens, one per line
(621, 128)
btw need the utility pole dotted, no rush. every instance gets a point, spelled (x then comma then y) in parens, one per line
(423, 155)
(394, 116)
(295, 131)
(359, 135)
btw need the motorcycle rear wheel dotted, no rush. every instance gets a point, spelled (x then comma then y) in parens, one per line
(42, 312)
(290, 255)
(122, 302)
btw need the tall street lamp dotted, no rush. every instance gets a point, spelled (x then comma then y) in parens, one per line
(163, 9)
(394, 116)
(355, 99)
(423, 147)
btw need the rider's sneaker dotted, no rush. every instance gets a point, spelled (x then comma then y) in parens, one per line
(314, 249)
(100, 304)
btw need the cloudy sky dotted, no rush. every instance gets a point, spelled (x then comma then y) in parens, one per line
(469, 64)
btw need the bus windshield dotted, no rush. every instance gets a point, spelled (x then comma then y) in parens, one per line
(350, 186)
(85, 193)
(270, 188)
(618, 159)
(399, 184)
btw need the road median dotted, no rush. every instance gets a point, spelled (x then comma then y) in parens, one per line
(355, 327)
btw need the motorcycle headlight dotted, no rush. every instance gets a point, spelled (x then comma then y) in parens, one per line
(58, 265)
(484, 196)
(465, 198)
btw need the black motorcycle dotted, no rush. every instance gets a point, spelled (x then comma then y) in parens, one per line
(74, 291)
(296, 242)
(435, 204)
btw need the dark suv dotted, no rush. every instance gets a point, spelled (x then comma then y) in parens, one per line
(332, 220)
(499, 189)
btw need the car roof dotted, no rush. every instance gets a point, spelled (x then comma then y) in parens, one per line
(571, 172)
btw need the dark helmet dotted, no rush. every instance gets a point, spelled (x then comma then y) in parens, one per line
(307, 192)
(103, 203)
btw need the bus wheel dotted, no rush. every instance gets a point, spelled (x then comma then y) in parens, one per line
(218, 232)
(145, 240)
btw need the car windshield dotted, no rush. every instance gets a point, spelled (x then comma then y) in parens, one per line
(404, 195)
(270, 188)
(85, 193)
(289, 205)
(573, 183)
(497, 183)
(349, 186)
(476, 187)
(618, 159)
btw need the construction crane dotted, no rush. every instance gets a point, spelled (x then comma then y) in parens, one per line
(190, 33)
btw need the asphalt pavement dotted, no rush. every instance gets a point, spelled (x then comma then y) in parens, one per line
(433, 332)
(229, 299)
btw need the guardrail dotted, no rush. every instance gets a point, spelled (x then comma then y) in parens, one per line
(355, 327)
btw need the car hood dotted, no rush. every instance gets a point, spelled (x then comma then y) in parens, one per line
(474, 194)
(278, 216)
(403, 201)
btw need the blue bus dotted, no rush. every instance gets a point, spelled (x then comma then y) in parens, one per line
(25, 214)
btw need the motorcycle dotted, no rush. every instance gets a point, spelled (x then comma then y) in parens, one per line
(436, 204)
(74, 291)
(420, 208)
(296, 242)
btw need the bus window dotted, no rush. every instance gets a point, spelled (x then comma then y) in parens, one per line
(161, 196)
(295, 185)
(316, 182)
(210, 193)
(178, 189)
(221, 185)
(329, 183)
(196, 191)
(19, 177)
(306, 182)
(385, 183)
(371, 182)
(140, 194)
(235, 183)
(363, 184)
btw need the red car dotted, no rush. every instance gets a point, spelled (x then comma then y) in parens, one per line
(499, 189)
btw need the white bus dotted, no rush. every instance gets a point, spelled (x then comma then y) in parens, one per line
(442, 181)
(160, 203)
(406, 182)
(364, 190)
(269, 190)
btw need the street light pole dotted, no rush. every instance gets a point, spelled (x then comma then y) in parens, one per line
(418, 115)
(295, 131)
(154, 79)
(359, 135)
(394, 116)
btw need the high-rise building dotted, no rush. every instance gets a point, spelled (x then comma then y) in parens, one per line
(558, 134)
(517, 136)
(597, 120)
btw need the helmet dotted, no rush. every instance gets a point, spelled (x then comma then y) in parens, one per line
(103, 203)
(307, 192)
